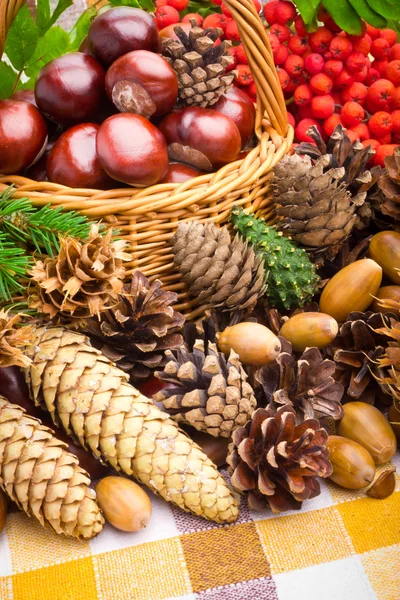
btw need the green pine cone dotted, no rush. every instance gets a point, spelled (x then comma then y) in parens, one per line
(292, 278)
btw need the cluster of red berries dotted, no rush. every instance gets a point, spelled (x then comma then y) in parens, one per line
(333, 78)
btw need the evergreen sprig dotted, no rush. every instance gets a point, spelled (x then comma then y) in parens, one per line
(40, 228)
(14, 263)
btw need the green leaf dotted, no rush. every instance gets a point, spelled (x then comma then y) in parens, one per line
(81, 28)
(43, 14)
(395, 25)
(21, 39)
(58, 11)
(308, 10)
(54, 43)
(203, 8)
(344, 15)
(148, 5)
(387, 8)
(370, 16)
(7, 80)
(133, 3)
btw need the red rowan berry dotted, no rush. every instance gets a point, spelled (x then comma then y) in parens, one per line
(314, 63)
(343, 80)
(241, 55)
(281, 55)
(381, 92)
(321, 84)
(355, 62)
(333, 68)
(166, 15)
(283, 77)
(178, 4)
(285, 12)
(357, 92)
(393, 72)
(361, 130)
(282, 32)
(298, 25)
(298, 45)
(274, 42)
(396, 121)
(340, 47)
(373, 32)
(351, 114)
(382, 152)
(303, 126)
(389, 35)
(214, 21)
(361, 75)
(294, 65)
(394, 52)
(384, 139)
(302, 95)
(381, 66)
(269, 11)
(361, 44)
(322, 106)
(380, 48)
(395, 99)
(320, 40)
(351, 135)
(370, 142)
(330, 124)
(199, 18)
(380, 124)
(231, 31)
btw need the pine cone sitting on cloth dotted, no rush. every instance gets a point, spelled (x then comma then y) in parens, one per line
(92, 399)
(306, 384)
(137, 330)
(201, 67)
(84, 279)
(208, 391)
(276, 461)
(42, 478)
(219, 272)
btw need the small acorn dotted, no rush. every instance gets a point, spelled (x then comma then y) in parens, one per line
(3, 510)
(384, 248)
(351, 289)
(255, 344)
(309, 329)
(124, 504)
(366, 425)
(353, 466)
(390, 293)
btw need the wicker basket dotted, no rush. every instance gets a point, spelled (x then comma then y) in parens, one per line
(147, 218)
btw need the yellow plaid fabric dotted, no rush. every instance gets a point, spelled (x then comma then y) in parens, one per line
(341, 546)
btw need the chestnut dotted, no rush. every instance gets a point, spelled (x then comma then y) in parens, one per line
(24, 96)
(70, 89)
(179, 172)
(201, 137)
(238, 106)
(120, 30)
(142, 82)
(132, 150)
(23, 135)
(73, 160)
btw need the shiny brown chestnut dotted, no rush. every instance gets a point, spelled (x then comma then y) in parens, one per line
(23, 135)
(120, 30)
(14, 388)
(201, 137)
(70, 89)
(179, 172)
(142, 82)
(73, 159)
(238, 106)
(132, 150)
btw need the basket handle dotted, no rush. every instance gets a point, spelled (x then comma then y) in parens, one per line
(259, 54)
(8, 11)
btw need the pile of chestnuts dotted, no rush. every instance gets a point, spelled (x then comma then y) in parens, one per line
(107, 115)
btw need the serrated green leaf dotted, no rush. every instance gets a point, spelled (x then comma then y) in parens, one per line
(370, 16)
(308, 10)
(7, 80)
(344, 15)
(133, 3)
(81, 28)
(54, 43)
(387, 8)
(21, 39)
(43, 14)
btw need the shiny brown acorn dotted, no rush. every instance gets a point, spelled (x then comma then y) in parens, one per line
(124, 504)
(309, 329)
(255, 344)
(366, 425)
(384, 248)
(3, 510)
(394, 418)
(351, 289)
(353, 466)
(384, 485)
(387, 292)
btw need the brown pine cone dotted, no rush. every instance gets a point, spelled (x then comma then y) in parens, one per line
(206, 390)
(388, 363)
(307, 384)
(84, 279)
(389, 185)
(276, 461)
(139, 327)
(14, 340)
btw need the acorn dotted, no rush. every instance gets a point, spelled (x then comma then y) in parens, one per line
(366, 425)
(124, 504)
(387, 292)
(394, 418)
(384, 485)
(384, 248)
(309, 329)
(353, 466)
(351, 289)
(3, 510)
(255, 344)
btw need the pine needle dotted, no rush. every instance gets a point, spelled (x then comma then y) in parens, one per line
(13, 266)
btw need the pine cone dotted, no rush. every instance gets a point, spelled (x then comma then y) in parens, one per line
(42, 478)
(206, 391)
(321, 195)
(355, 351)
(84, 279)
(141, 325)
(388, 363)
(14, 340)
(276, 461)
(307, 384)
(218, 271)
(389, 184)
(92, 399)
(201, 67)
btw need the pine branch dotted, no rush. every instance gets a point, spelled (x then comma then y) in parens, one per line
(25, 224)
(13, 266)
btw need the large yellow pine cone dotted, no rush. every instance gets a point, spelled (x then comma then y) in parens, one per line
(92, 399)
(42, 478)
